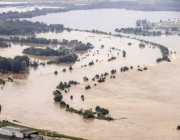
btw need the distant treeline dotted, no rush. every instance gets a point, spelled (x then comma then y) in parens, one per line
(37, 3)
(139, 6)
(15, 65)
(17, 27)
(138, 31)
(129, 5)
(30, 14)
(32, 39)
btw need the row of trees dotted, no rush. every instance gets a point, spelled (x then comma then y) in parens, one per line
(3, 44)
(74, 45)
(57, 96)
(142, 45)
(33, 39)
(15, 65)
(22, 27)
(64, 85)
(69, 58)
(139, 31)
(45, 52)
(141, 22)
(2, 82)
(29, 14)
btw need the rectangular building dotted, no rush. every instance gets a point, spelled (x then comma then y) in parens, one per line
(17, 132)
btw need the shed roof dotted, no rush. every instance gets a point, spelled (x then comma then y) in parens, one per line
(29, 132)
(13, 128)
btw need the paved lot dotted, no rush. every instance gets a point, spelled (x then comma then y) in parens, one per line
(8, 138)
(45, 138)
(48, 138)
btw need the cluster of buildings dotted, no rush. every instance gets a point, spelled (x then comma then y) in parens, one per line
(176, 20)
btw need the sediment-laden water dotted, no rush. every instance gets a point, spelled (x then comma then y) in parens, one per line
(149, 101)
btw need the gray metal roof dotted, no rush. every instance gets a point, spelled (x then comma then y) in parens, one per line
(13, 128)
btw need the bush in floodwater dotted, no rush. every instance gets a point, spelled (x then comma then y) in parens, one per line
(85, 79)
(145, 68)
(70, 109)
(71, 82)
(113, 71)
(129, 43)
(10, 79)
(63, 104)
(105, 74)
(64, 85)
(124, 53)
(101, 111)
(123, 69)
(64, 70)
(55, 72)
(82, 97)
(101, 80)
(67, 106)
(141, 45)
(58, 97)
(165, 58)
(97, 76)
(2, 81)
(69, 58)
(56, 92)
(91, 63)
(88, 114)
(70, 68)
(88, 87)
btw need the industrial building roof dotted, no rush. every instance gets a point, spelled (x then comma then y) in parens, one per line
(12, 128)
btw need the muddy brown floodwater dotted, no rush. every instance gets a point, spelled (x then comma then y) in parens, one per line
(149, 101)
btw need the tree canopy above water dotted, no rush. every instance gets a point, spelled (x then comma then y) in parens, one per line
(13, 65)
(17, 27)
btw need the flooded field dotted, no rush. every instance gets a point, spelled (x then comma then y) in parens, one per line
(148, 101)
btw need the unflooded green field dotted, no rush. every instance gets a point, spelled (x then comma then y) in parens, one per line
(167, 24)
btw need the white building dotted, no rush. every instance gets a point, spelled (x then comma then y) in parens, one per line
(17, 132)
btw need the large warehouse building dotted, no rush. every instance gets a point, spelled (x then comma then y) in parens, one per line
(17, 132)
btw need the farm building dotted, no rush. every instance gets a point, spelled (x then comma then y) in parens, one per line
(17, 132)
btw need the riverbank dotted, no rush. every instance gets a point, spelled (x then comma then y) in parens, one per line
(42, 132)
